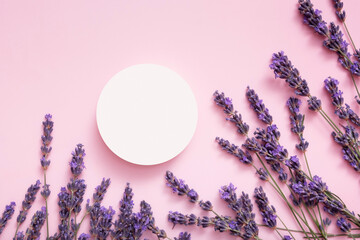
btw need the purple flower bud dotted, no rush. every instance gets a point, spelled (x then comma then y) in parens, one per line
(257, 105)
(267, 212)
(287, 237)
(77, 161)
(179, 218)
(184, 236)
(179, 187)
(284, 69)
(234, 150)
(30, 197)
(344, 225)
(6, 216)
(263, 175)
(100, 190)
(84, 236)
(312, 17)
(37, 221)
(233, 116)
(314, 104)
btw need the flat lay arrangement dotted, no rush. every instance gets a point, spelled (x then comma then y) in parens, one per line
(128, 120)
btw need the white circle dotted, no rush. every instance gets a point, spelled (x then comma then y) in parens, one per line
(146, 114)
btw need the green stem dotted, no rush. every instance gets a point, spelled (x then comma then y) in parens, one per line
(81, 221)
(348, 33)
(281, 237)
(355, 85)
(311, 231)
(307, 165)
(17, 229)
(322, 222)
(47, 211)
(287, 228)
(278, 189)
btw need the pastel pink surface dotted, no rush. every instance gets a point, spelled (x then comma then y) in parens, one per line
(56, 58)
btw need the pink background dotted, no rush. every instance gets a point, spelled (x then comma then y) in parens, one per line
(57, 56)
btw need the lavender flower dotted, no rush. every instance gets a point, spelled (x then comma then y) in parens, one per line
(243, 208)
(6, 216)
(297, 122)
(30, 197)
(183, 236)
(263, 175)
(65, 203)
(257, 105)
(284, 69)
(314, 104)
(334, 40)
(331, 85)
(104, 223)
(84, 236)
(46, 139)
(234, 150)
(346, 113)
(100, 190)
(121, 226)
(349, 142)
(269, 148)
(336, 43)
(77, 161)
(340, 13)
(227, 193)
(312, 17)
(287, 237)
(268, 212)
(233, 116)
(293, 163)
(37, 221)
(141, 220)
(179, 218)
(344, 225)
(77, 189)
(178, 186)
(147, 213)
(20, 236)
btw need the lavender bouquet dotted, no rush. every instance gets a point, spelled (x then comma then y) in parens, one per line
(312, 204)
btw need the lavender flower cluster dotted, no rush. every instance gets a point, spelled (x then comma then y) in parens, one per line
(104, 224)
(242, 224)
(333, 36)
(306, 191)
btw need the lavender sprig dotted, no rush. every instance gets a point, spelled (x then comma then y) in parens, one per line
(37, 221)
(312, 17)
(94, 209)
(6, 216)
(234, 150)
(103, 228)
(145, 210)
(233, 116)
(181, 188)
(340, 13)
(241, 206)
(343, 112)
(46, 139)
(268, 212)
(30, 197)
(84, 236)
(258, 106)
(297, 122)
(279, 60)
(77, 161)
(184, 236)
